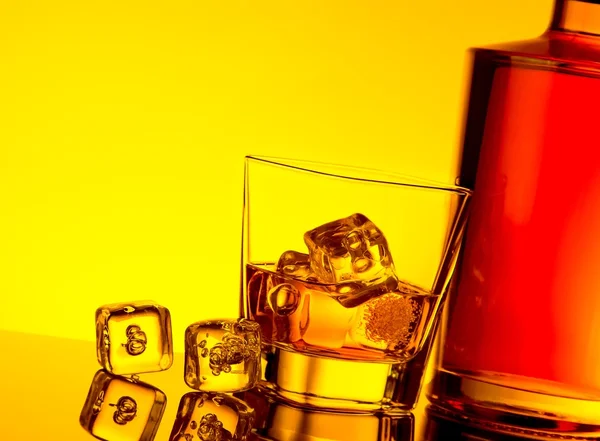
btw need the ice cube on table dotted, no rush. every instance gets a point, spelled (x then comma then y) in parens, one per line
(222, 355)
(351, 254)
(134, 337)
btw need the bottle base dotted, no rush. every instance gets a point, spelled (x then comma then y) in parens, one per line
(498, 404)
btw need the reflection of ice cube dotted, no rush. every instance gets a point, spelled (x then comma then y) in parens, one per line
(211, 416)
(119, 408)
(328, 321)
(295, 264)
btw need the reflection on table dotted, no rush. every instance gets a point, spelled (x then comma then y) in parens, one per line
(45, 383)
(286, 422)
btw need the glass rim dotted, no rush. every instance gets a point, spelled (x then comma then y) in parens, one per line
(397, 179)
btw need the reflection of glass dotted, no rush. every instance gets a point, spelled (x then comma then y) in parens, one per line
(284, 422)
(345, 270)
(122, 409)
(205, 416)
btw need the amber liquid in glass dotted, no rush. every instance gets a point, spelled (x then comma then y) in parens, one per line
(523, 335)
(307, 334)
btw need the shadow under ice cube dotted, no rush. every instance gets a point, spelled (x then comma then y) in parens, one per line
(133, 338)
(204, 416)
(122, 409)
(222, 355)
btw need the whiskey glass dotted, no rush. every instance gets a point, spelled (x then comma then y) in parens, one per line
(359, 343)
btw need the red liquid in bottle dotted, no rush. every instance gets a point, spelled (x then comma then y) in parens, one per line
(529, 287)
(525, 314)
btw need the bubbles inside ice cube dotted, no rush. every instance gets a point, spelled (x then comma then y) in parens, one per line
(136, 340)
(211, 429)
(126, 410)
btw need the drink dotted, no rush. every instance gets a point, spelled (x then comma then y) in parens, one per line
(376, 340)
(347, 312)
(389, 328)
(340, 307)
(521, 346)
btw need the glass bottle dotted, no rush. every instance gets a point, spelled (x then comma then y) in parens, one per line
(521, 340)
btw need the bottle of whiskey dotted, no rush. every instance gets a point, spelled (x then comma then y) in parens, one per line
(521, 344)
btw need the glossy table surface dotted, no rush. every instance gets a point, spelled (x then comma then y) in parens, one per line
(44, 382)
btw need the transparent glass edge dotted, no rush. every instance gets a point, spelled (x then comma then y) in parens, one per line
(400, 179)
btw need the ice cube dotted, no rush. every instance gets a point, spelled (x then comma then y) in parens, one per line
(134, 337)
(295, 264)
(288, 303)
(259, 285)
(351, 254)
(394, 322)
(284, 299)
(299, 312)
(222, 355)
(277, 304)
(348, 249)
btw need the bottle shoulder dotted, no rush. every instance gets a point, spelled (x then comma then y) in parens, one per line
(552, 47)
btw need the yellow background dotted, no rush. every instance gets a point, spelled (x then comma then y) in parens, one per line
(123, 125)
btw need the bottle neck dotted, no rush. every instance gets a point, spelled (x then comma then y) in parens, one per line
(581, 16)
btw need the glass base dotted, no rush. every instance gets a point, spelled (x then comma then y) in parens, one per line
(349, 385)
(507, 404)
